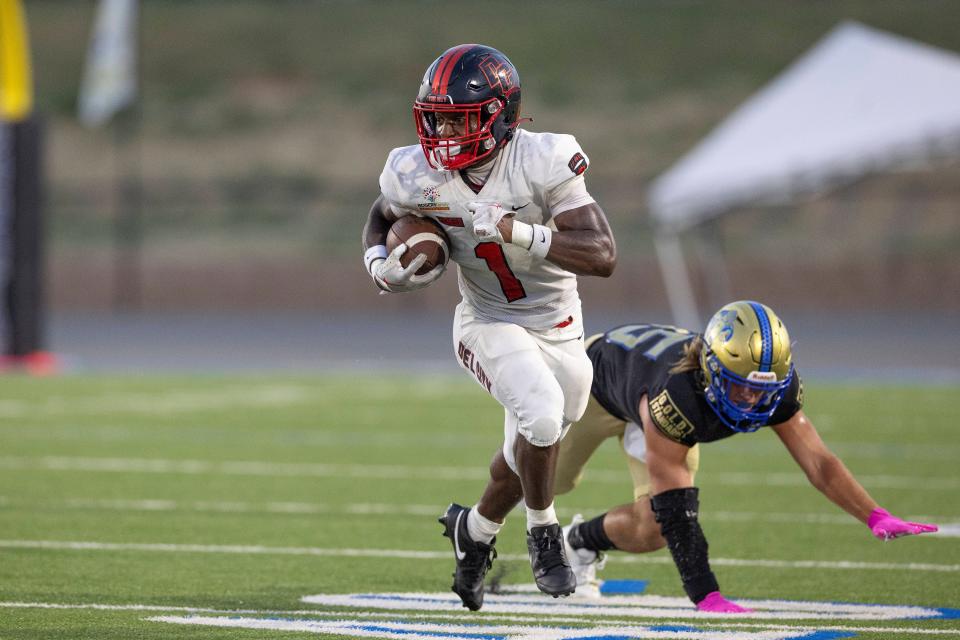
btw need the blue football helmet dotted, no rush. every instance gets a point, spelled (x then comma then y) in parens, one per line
(746, 352)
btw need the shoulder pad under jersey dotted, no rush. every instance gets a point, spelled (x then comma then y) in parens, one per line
(558, 157)
(404, 177)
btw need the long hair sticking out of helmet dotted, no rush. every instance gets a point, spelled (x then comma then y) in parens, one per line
(745, 345)
(477, 85)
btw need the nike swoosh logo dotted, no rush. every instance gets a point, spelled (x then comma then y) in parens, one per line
(543, 237)
(518, 208)
(456, 538)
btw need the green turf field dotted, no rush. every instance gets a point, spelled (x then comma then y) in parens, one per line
(141, 497)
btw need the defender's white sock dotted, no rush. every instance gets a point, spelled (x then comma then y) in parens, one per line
(541, 517)
(481, 529)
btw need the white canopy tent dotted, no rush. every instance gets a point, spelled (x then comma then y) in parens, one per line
(860, 101)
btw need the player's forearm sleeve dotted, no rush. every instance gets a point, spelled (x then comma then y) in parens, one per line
(677, 511)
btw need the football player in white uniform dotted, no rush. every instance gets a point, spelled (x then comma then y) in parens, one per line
(521, 226)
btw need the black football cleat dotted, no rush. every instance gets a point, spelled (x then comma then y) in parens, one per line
(551, 570)
(473, 558)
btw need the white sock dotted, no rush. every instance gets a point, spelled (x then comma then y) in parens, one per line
(481, 529)
(541, 517)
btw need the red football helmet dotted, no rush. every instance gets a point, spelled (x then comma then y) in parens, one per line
(467, 107)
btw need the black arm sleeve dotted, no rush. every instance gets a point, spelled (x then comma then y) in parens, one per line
(676, 511)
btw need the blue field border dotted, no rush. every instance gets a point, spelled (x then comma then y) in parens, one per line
(433, 634)
(623, 587)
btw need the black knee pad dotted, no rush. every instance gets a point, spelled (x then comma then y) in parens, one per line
(676, 505)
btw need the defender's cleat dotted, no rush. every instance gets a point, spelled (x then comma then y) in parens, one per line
(473, 558)
(550, 567)
(584, 563)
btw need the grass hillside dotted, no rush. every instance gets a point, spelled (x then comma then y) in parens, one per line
(264, 125)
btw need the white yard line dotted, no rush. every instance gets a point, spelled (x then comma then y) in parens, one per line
(365, 416)
(240, 468)
(474, 617)
(636, 606)
(164, 402)
(469, 631)
(949, 525)
(756, 447)
(410, 472)
(296, 508)
(185, 400)
(82, 545)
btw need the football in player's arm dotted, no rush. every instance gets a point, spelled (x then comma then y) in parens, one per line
(663, 391)
(587, 236)
(521, 228)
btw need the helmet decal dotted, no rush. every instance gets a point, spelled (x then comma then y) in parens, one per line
(727, 316)
(498, 74)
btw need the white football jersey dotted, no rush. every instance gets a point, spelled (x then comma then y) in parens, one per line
(530, 176)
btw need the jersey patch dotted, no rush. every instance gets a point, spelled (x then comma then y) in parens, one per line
(432, 197)
(578, 164)
(668, 417)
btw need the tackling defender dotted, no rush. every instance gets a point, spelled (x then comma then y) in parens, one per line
(662, 391)
(521, 226)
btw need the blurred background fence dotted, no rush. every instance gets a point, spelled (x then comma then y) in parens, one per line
(263, 127)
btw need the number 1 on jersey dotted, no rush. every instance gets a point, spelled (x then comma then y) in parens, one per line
(492, 254)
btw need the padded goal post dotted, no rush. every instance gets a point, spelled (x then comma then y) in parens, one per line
(21, 229)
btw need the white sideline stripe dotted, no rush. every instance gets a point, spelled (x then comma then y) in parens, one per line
(426, 631)
(949, 525)
(637, 606)
(536, 632)
(189, 400)
(296, 508)
(473, 616)
(371, 416)
(245, 468)
(181, 401)
(861, 450)
(400, 472)
(78, 545)
(782, 479)
(236, 549)
(949, 530)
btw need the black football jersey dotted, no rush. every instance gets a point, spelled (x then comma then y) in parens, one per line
(635, 360)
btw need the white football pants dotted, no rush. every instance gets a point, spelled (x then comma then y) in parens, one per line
(541, 377)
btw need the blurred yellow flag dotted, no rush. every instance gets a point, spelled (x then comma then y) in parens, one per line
(16, 85)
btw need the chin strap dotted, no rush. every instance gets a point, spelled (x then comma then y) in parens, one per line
(513, 127)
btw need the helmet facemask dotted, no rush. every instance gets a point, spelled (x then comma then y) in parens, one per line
(741, 417)
(475, 143)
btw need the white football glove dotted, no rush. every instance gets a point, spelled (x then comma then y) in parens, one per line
(392, 276)
(486, 215)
